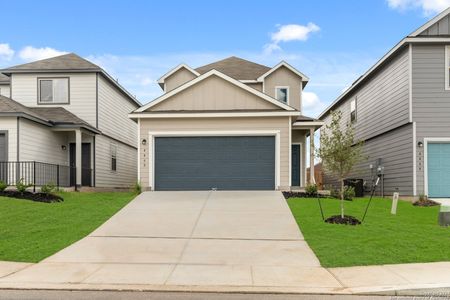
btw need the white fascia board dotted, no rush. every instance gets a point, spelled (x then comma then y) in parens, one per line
(145, 115)
(161, 80)
(223, 76)
(431, 22)
(284, 64)
(315, 123)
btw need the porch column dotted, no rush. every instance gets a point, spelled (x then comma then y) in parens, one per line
(78, 156)
(312, 179)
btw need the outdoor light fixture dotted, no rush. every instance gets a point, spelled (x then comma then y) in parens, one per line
(420, 144)
(144, 142)
(63, 147)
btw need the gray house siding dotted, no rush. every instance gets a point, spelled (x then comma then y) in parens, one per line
(395, 148)
(383, 124)
(431, 101)
(440, 28)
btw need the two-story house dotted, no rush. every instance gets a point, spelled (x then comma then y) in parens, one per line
(228, 125)
(65, 120)
(400, 108)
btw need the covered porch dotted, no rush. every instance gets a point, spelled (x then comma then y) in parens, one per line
(302, 151)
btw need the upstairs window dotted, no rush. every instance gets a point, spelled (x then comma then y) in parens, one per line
(113, 157)
(282, 94)
(53, 90)
(353, 110)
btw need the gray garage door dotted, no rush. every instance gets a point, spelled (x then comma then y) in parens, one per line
(223, 163)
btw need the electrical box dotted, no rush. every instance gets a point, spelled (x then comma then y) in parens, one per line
(444, 216)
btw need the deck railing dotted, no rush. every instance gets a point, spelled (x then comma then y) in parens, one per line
(35, 173)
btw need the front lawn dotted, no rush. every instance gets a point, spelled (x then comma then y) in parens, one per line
(411, 236)
(31, 231)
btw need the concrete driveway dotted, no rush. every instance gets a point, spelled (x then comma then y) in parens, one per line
(203, 239)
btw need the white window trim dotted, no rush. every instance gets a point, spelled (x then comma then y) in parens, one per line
(39, 79)
(111, 156)
(301, 164)
(287, 93)
(426, 141)
(355, 100)
(153, 134)
(447, 68)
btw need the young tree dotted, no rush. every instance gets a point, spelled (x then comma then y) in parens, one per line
(338, 150)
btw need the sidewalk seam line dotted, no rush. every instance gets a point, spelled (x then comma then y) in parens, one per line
(337, 279)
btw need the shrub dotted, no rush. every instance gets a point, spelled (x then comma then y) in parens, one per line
(137, 188)
(48, 188)
(423, 197)
(311, 189)
(21, 186)
(3, 186)
(349, 192)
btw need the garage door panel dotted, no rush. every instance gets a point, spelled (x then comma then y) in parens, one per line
(225, 163)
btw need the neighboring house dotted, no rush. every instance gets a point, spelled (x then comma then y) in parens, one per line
(65, 120)
(229, 125)
(4, 86)
(400, 108)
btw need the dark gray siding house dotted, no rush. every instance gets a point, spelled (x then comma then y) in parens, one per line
(401, 110)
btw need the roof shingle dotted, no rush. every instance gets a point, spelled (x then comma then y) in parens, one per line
(64, 62)
(237, 68)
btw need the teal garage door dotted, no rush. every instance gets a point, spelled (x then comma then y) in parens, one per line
(438, 170)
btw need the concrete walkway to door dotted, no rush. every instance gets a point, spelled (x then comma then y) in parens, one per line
(209, 240)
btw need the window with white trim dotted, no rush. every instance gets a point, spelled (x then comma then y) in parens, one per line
(53, 90)
(113, 157)
(447, 67)
(353, 110)
(282, 94)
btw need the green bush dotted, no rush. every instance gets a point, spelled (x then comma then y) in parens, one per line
(48, 188)
(137, 188)
(349, 193)
(311, 189)
(3, 186)
(21, 186)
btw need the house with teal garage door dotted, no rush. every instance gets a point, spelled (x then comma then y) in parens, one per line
(400, 109)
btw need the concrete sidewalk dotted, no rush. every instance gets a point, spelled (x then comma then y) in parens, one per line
(401, 279)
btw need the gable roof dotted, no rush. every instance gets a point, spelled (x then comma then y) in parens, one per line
(70, 62)
(286, 65)
(235, 67)
(223, 76)
(50, 116)
(180, 66)
(430, 23)
(412, 38)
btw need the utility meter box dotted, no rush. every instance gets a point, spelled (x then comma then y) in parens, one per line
(444, 216)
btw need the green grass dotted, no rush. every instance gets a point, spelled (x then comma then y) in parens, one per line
(31, 231)
(412, 235)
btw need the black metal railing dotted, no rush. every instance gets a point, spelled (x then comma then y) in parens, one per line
(36, 173)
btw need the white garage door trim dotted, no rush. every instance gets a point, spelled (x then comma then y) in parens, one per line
(153, 134)
(425, 154)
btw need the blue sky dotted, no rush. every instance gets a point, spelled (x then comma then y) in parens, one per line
(333, 42)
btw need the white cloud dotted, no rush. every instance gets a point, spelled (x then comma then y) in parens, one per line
(310, 100)
(288, 33)
(30, 53)
(428, 7)
(6, 53)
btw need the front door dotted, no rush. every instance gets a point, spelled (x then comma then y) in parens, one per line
(86, 171)
(439, 170)
(295, 176)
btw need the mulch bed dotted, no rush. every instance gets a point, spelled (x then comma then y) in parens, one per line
(425, 203)
(288, 195)
(38, 197)
(347, 220)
